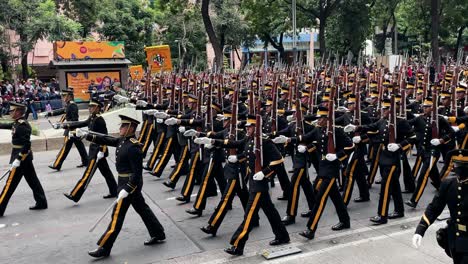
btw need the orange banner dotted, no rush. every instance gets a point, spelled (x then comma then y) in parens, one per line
(159, 58)
(136, 72)
(76, 50)
(82, 82)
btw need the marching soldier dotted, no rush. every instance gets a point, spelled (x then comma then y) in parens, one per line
(21, 160)
(129, 159)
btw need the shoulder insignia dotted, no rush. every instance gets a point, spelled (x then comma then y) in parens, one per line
(134, 141)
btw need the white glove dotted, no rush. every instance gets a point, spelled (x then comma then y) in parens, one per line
(202, 141)
(131, 105)
(435, 142)
(392, 147)
(161, 115)
(80, 133)
(209, 146)
(122, 194)
(280, 140)
(203, 109)
(232, 158)
(150, 112)
(455, 129)
(465, 109)
(57, 125)
(182, 129)
(417, 240)
(356, 139)
(259, 176)
(301, 148)
(290, 118)
(171, 121)
(331, 157)
(416, 115)
(141, 103)
(314, 123)
(123, 100)
(15, 164)
(102, 95)
(349, 128)
(445, 117)
(159, 120)
(100, 155)
(190, 133)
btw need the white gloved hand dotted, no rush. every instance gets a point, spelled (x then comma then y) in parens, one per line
(190, 133)
(465, 109)
(182, 129)
(455, 129)
(356, 139)
(445, 117)
(259, 176)
(314, 123)
(100, 155)
(15, 164)
(203, 108)
(435, 142)
(209, 146)
(416, 115)
(232, 158)
(331, 157)
(202, 141)
(161, 115)
(417, 238)
(392, 147)
(150, 111)
(141, 103)
(123, 100)
(171, 121)
(301, 148)
(102, 95)
(290, 118)
(280, 140)
(349, 128)
(122, 194)
(80, 133)
(57, 125)
(159, 120)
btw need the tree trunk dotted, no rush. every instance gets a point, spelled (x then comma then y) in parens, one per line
(322, 25)
(218, 61)
(24, 56)
(435, 20)
(459, 41)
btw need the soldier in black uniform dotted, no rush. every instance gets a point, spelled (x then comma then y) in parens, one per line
(452, 193)
(21, 160)
(129, 159)
(70, 113)
(97, 154)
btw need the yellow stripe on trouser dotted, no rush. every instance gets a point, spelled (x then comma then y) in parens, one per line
(148, 137)
(205, 183)
(7, 185)
(387, 187)
(181, 163)
(166, 151)
(113, 223)
(322, 202)
(371, 152)
(143, 130)
(295, 192)
(417, 166)
(225, 201)
(317, 187)
(350, 181)
(449, 169)
(374, 171)
(423, 185)
(192, 171)
(85, 178)
(156, 150)
(62, 151)
(249, 218)
(464, 142)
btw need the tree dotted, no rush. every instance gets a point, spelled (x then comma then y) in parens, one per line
(84, 12)
(435, 19)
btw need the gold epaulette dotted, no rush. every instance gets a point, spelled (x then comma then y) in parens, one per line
(134, 141)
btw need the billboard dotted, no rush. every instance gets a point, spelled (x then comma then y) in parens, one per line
(84, 50)
(136, 72)
(159, 58)
(82, 82)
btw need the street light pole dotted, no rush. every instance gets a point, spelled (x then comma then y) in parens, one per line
(293, 8)
(178, 45)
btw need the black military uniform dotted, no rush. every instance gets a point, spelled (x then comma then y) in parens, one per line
(128, 161)
(96, 123)
(22, 153)
(70, 113)
(452, 193)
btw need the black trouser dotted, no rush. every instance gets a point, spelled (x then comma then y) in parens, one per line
(408, 176)
(300, 177)
(377, 150)
(283, 178)
(27, 170)
(390, 187)
(69, 141)
(256, 201)
(93, 164)
(138, 203)
(327, 187)
(355, 172)
(181, 166)
(428, 169)
(214, 169)
(196, 168)
(147, 139)
(169, 149)
(460, 257)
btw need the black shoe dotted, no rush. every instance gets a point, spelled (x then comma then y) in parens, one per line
(183, 199)
(361, 200)
(395, 215)
(155, 240)
(69, 196)
(229, 207)
(282, 198)
(194, 211)
(52, 167)
(155, 174)
(307, 234)
(209, 230)
(108, 196)
(173, 166)
(99, 252)
(147, 168)
(340, 226)
(288, 220)
(81, 165)
(169, 184)
(234, 251)
(213, 194)
(378, 220)
(306, 214)
(272, 184)
(411, 204)
(38, 207)
(408, 191)
(277, 242)
(378, 181)
(291, 171)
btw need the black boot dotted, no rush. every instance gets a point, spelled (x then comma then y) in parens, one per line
(108, 196)
(361, 200)
(69, 196)
(306, 214)
(194, 211)
(99, 252)
(288, 220)
(54, 168)
(183, 199)
(378, 220)
(169, 184)
(155, 240)
(411, 204)
(209, 230)
(395, 215)
(38, 206)
(340, 226)
(307, 234)
(277, 242)
(234, 251)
